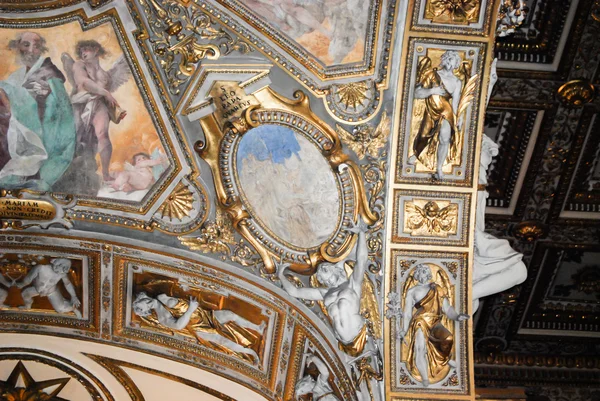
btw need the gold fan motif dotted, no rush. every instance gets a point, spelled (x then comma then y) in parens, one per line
(353, 94)
(179, 204)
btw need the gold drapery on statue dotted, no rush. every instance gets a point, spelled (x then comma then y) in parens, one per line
(438, 339)
(437, 109)
(203, 321)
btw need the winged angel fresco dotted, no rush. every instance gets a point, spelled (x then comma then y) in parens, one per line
(442, 96)
(94, 106)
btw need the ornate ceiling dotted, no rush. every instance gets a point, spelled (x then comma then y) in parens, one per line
(243, 200)
(544, 199)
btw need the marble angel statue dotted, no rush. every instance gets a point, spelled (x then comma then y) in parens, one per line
(425, 330)
(447, 98)
(497, 267)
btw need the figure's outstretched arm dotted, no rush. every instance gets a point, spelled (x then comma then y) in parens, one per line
(29, 278)
(311, 294)
(452, 313)
(362, 255)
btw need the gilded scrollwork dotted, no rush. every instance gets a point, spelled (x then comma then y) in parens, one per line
(176, 32)
(268, 226)
(511, 15)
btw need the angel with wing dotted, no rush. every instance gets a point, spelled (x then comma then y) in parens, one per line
(425, 321)
(94, 106)
(431, 217)
(446, 101)
(366, 140)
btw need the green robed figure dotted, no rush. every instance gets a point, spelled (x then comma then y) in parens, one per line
(37, 129)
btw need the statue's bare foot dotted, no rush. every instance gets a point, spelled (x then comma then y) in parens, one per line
(452, 364)
(425, 383)
(436, 176)
(77, 313)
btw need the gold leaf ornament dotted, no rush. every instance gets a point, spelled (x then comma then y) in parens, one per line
(365, 139)
(179, 204)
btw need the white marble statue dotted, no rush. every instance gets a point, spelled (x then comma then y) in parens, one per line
(497, 267)
(45, 280)
(493, 80)
(320, 388)
(341, 294)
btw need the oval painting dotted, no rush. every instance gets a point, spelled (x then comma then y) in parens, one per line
(288, 185)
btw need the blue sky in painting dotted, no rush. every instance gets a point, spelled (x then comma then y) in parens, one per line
(269, 142)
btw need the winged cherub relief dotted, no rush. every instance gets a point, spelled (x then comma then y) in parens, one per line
(94, 106)
(366, 140)
(431, 218)
(447, 98)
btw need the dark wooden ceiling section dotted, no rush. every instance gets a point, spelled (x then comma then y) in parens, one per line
(545, 199)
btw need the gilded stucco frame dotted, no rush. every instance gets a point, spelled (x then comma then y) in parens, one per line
(219, 151)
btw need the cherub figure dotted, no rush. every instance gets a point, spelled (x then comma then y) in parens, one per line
(223, 330)
(94, 106)
(45, 280)
(445, 103)
(320, 388)
(138, 175)
(429, 342)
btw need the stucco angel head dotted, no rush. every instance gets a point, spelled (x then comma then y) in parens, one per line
(450, 60)
(60, 265)
(331, 274)
(143, 304)
(422, 273)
